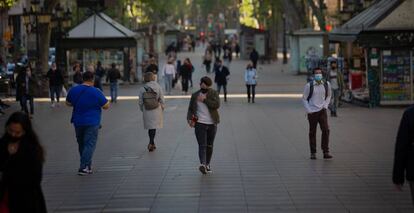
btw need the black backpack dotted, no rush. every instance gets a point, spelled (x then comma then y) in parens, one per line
(325, 84)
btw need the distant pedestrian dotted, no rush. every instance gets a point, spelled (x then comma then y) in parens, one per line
(113, 76)
(193, 45)
(336, 80)
(254, 57)
(26, 86)
(169, 73)
(203, 116)
(227, 56)
(316, 98)
(21, 165)
(87, 102)
(208, 56)
(99, 74)
(186, 72)
(404, 152)
(55, 84)
(221, 78)
(77, 75)
(250, 77)
(237, 49)
(153, 67)
(151, 103)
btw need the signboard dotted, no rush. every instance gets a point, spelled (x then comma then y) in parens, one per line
(260, 43)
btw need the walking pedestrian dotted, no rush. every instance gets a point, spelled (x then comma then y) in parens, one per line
(237, 49)
(221, 78)
(26, 86)
(151, 104)
(227, 56)
(254, 57)
(316, 98)
(55, 84)
(208, 56)
(185, 72)
(404, 152)
(250, 77)
(21, 165)
(113, 76)
(87, 103)
(203, 115)
(336, 80)
(169, 74)
(99, 74)
(153, 67)
(77, 76)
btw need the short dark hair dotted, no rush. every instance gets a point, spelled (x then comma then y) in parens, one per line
(333, 62)
(206, 80)
(113, 65)
(87, 76)
(316, 68)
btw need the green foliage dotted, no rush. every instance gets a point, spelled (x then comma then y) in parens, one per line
(5, 4)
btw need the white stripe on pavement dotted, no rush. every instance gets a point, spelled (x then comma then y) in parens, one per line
(121, 98)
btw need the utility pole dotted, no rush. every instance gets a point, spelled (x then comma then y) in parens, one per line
(285, 60)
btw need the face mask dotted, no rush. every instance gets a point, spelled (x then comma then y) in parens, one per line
(204, 91)
(318, 77)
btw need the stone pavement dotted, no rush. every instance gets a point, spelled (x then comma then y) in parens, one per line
(260, 161)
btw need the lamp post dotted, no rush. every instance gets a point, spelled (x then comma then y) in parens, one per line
(284, 40)
(61, 22)
(34, 18)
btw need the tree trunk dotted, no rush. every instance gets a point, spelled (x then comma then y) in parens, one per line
(317, 11)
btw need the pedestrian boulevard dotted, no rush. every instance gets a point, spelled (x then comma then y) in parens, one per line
(260, 161)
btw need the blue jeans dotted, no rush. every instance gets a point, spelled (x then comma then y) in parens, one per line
(114, 91)
(219, 86)
(87, 136)
(335, 100)
(168, 83)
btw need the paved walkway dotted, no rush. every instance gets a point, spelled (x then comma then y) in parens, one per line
(260, 163)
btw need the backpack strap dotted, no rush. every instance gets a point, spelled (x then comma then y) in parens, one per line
(310, 90)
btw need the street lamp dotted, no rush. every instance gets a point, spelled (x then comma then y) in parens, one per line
(284, 39)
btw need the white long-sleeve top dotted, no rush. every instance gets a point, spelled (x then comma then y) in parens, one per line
(250, 76)
(318, 101)
(169, 69)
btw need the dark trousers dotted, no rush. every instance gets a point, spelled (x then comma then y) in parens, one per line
(55, 90)
(208, 66)
(184, 83)
(251, 91)
(205, 135)
(254, 63)
(151, 134)
(224, 90)
(320, 117)
(23, 103)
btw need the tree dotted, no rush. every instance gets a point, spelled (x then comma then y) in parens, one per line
(6, 4)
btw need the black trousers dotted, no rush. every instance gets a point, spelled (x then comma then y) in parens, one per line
(184, 83)
(219, 86)
(412, 190)
(151, 134)
(23, 103)
(205, 135)
(251, 91)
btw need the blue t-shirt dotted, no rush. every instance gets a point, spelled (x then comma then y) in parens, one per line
(87, 105)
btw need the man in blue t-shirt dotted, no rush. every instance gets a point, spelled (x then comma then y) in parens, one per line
(87, 102)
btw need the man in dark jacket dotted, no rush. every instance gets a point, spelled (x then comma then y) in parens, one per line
(112, 77)
(254, 57)
(99, 74)
(404, 152)
(221, 78)
(25, 90)
(55, 83)
(203, 116)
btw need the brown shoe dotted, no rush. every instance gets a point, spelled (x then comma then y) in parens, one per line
(327, 156)
(150, 147)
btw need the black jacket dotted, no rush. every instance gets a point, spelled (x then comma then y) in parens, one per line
(77, 78)
(55, 77)
(404, 149)
(22, 176)
(186, 71)
(113, 75)
(254, 55)
(212, 101)
(21, 85)
(221, 75)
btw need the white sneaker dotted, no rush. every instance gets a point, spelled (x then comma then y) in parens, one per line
(53, 105)
(208, 168)
(202, 169)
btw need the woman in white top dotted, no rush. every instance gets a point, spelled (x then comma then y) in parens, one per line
(250, 79)
(169, 74)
